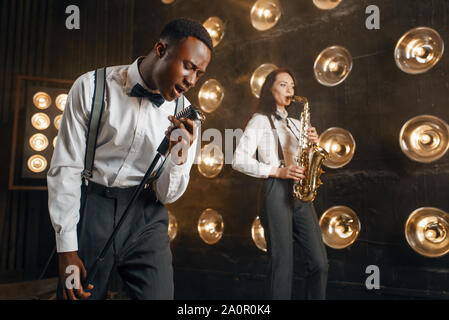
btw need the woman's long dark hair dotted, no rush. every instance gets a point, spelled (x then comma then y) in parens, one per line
(267, 104)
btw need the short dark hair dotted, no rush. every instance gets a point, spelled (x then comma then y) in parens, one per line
(182, 28)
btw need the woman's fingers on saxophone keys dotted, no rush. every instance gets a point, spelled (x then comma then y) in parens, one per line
(312, 134)
(297, 172)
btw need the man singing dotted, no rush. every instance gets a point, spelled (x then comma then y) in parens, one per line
(138, 106)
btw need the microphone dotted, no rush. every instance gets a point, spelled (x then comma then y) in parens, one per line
(190, 112)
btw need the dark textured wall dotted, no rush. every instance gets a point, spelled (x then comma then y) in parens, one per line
(380, 183)
(35, 42)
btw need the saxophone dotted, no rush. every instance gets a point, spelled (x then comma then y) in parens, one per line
(310, 157)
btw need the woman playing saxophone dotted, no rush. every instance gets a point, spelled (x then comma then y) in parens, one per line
(268, 150)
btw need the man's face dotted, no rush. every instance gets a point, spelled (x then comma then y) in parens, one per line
(180, 66)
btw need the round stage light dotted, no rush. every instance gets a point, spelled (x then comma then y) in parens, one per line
(216, 29)
(40, 121)
(211, 161)
(326, 4)
(60, 101)
(38, 142)
(258, 235)
(265, 14)
(37, 163)
(172, 226)
(57, 121)
(210, 226)
(41, 100)
(258, 77)
(210, 95)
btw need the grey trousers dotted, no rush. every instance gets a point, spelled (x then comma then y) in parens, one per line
(141, 249)
(285, 221)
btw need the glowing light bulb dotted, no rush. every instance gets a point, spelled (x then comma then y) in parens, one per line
(258, 234)
(60, 101)
(258, 77)
(210, 95)
(265, 14)
(37, 163)
(38, 142)
(210, 226)
(172, 226)
(211, 161)
(41, 100)
(216, 28)
(57, 121)
(40, 121)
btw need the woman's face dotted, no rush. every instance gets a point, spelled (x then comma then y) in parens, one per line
(283, 88)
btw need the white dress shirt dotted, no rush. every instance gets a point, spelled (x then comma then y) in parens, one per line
(131, 129)
(258, 135)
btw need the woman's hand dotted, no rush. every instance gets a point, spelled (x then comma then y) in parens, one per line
(290, 172)
(312, 135)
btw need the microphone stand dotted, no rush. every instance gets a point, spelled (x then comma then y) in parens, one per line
(190, 112)
(147, 180)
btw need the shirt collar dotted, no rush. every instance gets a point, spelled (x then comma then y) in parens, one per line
(282, 115)
(133, 77)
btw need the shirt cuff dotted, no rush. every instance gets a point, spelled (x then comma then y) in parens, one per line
(273, 171)
(265, 170)
(177, 169)
(67, 241)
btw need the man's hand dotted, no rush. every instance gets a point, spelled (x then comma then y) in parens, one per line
(70, 269)
(290, 172)
(312, 135)
(181, 138)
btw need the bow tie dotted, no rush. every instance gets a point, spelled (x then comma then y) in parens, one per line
(139, 91)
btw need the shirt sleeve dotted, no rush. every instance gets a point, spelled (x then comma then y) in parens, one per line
(67, 164)
(174, 179)
(244, 159)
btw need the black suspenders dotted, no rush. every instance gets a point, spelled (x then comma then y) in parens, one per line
(94, 123)
(280, 152)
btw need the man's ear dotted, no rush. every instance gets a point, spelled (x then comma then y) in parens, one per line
(160, 48)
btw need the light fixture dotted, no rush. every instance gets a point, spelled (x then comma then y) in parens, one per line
(258, 77)
(216, 29)
(38, 101)
(167, 1)
(40, 121)
(339, 226)
(210, 226)
(37, 163)
(426, 231)
(210, 95)
(258, 234)
(424, 138)
(339, 144)
(57, 121)
(54, 141)
(326, 4)
(60, 101)
(172, 226)
(38, 142)
(211, 161)
(332, 66)
(265, 14)
(41, 100)
(418, 50)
